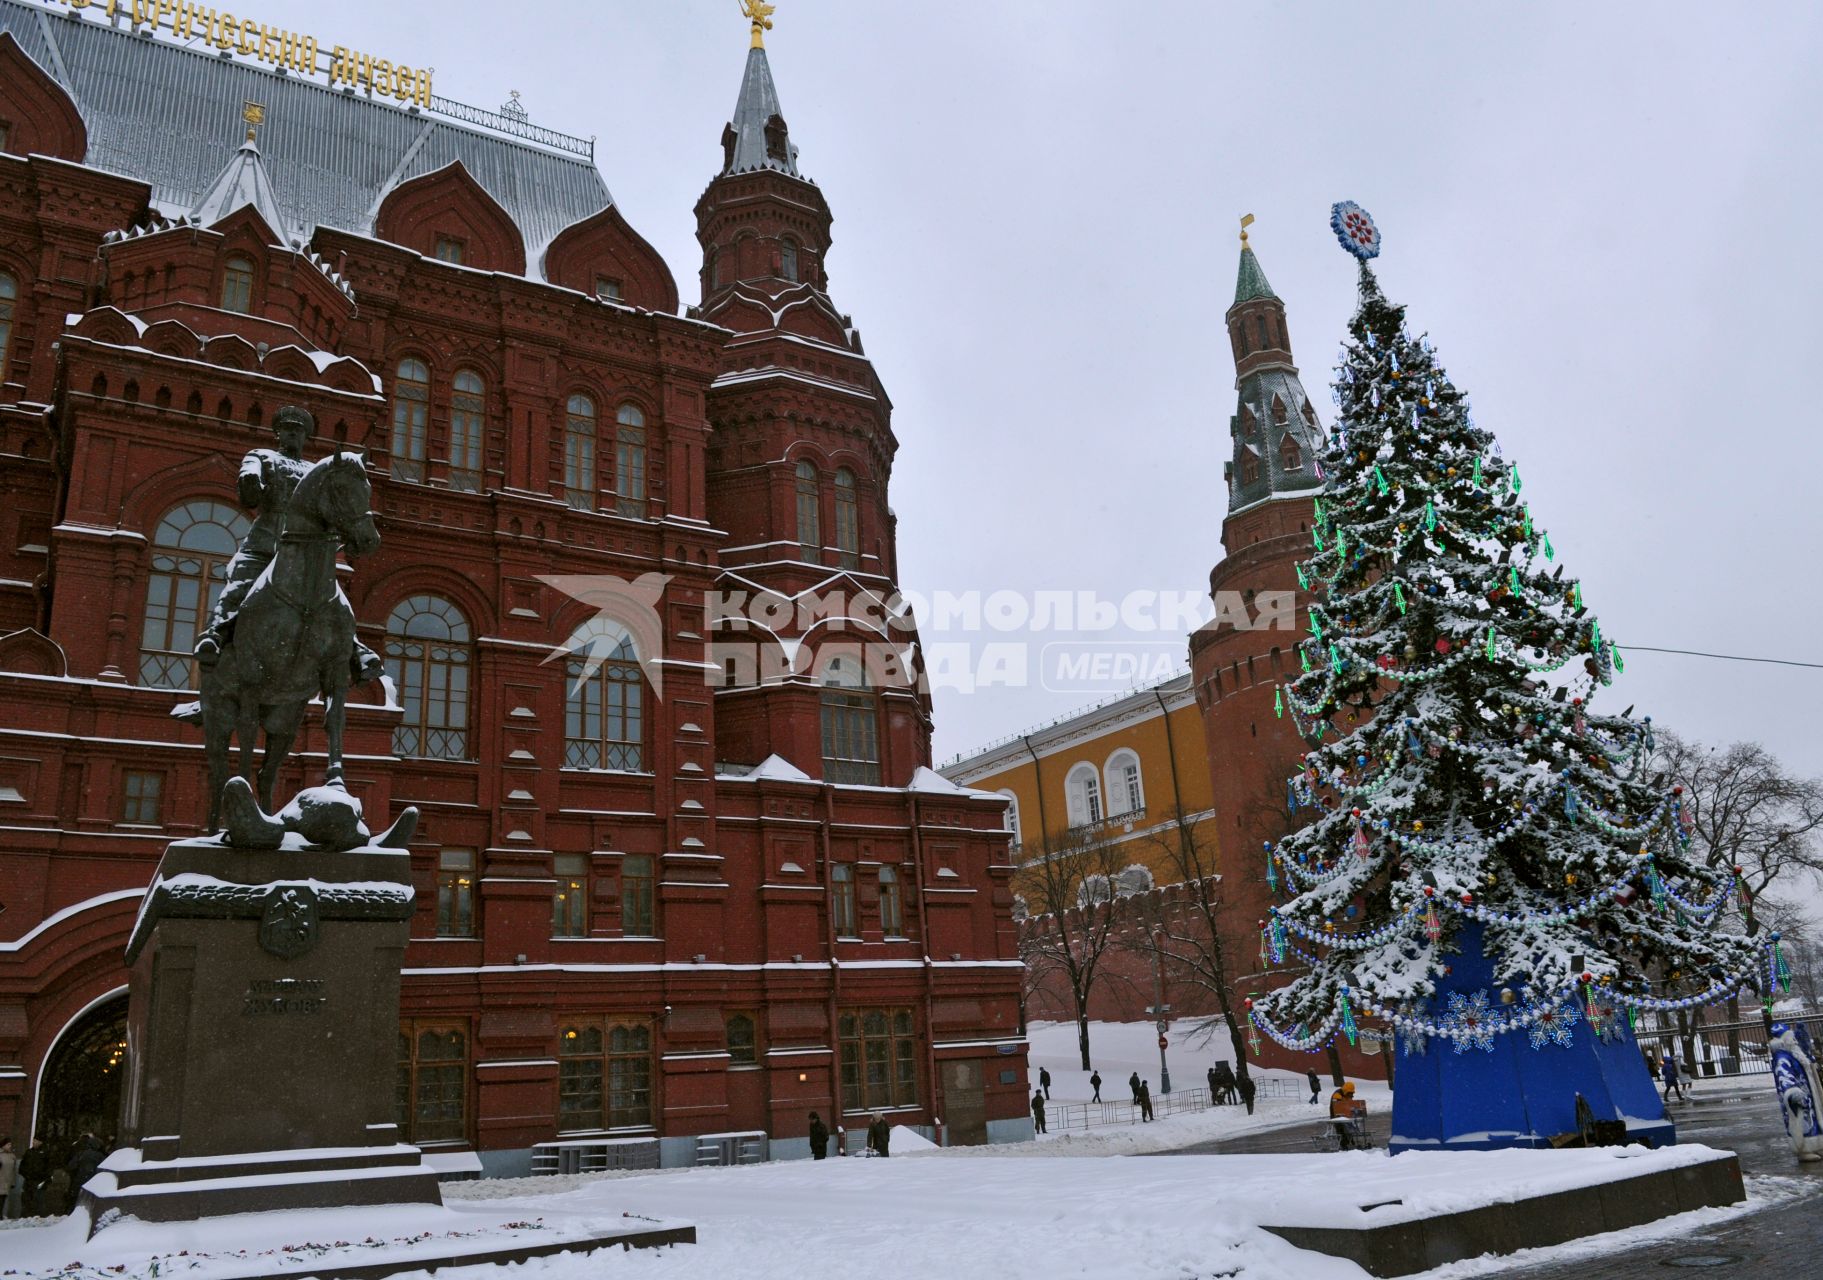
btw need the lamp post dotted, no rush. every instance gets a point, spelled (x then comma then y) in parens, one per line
(1160, 1008)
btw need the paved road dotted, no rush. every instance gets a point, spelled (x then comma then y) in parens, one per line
(1784, 1242)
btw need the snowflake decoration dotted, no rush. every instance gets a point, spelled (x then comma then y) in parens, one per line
(1555, 1025)
(1355, 229)
(1605, 1021)
(1467, 1022)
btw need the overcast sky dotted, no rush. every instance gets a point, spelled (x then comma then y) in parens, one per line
(1606, 216)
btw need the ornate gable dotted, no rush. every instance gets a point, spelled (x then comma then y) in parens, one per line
(39, 116)
(436, 211)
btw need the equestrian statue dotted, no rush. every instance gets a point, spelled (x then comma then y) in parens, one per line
(283, 633)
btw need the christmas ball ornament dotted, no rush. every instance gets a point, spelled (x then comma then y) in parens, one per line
(1355, 229)
(1508, 995)
(1468, 899)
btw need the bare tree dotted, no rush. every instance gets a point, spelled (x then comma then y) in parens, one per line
(1187, 930)
(1068, 884)
(1750, 813)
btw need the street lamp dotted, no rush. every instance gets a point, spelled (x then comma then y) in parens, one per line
(1160, 1008)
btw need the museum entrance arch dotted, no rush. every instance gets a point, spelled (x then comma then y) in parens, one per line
(79, 1089)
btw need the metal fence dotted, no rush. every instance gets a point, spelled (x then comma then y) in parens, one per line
(1716, 1049)
(1059, 1116)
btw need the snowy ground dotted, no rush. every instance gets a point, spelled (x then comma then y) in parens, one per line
(983, 1213)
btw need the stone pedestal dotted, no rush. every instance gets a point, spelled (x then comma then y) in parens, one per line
(262, 1036)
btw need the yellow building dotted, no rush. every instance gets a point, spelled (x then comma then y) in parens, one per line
(1126, 772)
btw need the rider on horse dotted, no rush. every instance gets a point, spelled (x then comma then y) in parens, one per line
(268, 478)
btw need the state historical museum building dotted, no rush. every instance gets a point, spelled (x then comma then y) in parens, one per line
(678, 873)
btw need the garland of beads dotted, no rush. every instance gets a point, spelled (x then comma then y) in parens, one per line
(1498, 1024)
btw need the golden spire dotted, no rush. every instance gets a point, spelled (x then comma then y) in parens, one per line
(760, 14)
(1246, 221)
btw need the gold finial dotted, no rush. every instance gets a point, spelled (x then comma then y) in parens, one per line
(760, 14)
(254, 113)
(1246, 221)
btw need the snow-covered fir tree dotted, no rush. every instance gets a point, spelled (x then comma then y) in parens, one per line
(1457, 770)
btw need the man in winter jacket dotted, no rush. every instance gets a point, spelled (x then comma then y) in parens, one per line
(1133, 1084)
(1037, 1111)
(879, 1134)
(34, 1172)
(1095, 1084)
(819, 1137)
(85, 1162)
(1044, 1080)
(9, 1179)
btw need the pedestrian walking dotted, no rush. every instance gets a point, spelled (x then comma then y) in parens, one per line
(1038, 1110)
(1215, 1092)
(1095, 1084)
(1247, 1087)
(1316, 1086)
(85, 1162)
(879, 1134)
(1044, 1081)
(1145, 1100)
(1668, 1073)
(819, 1137)
(9, 1179)
(1133, 1084)
(34, 1169)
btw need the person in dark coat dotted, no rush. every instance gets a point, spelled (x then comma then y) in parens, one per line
(1038, 1110)
(1095, 1084)
(1145, 1100)
(84, 1163)
(1668, 1072)
(1247, 1088)
(1044, 1080)
(1316, 1086)
(879, 1134)
(34, 1172)
(819, 1137)
(1133, 1084)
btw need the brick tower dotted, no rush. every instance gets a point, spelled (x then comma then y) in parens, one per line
(1239, 657)
(797, 476)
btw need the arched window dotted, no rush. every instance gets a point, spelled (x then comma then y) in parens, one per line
(1012, 815)
(1126, 793)
(579, 453)
(467, 414)
(892, 908)
(410, 414)
(433, 1082)
(1291, 458)
(190, 552)
(810, 500)
(630, 461)
(851, 746)
(1083, 789)
(579, 1077)
(788, 258)
(1259, 323)
(428, 660)
(9, 294)
(848, 521)
(237, 284)
(842, 898)
(715, 268)
(605, 698)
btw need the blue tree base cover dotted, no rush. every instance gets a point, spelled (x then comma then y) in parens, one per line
(1513, 1094)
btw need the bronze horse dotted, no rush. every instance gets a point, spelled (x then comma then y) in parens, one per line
(293, 638)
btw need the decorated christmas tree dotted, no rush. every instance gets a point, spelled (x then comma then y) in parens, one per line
(1487, 864)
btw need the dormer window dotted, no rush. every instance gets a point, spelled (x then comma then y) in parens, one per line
(608, 290)
(1310, 414)
(1278, 411)
(788, 258)
(1250, 466)
(777, 140)
(1291, 458)
(1248, 422)
(237, 285)
(450, 249)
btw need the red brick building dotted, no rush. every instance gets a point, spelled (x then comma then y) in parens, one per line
(1238, 659)
(682, 866)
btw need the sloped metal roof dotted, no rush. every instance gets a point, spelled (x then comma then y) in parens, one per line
(170, 116)
(758, 103)
(243, 182)
(1250, 281)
